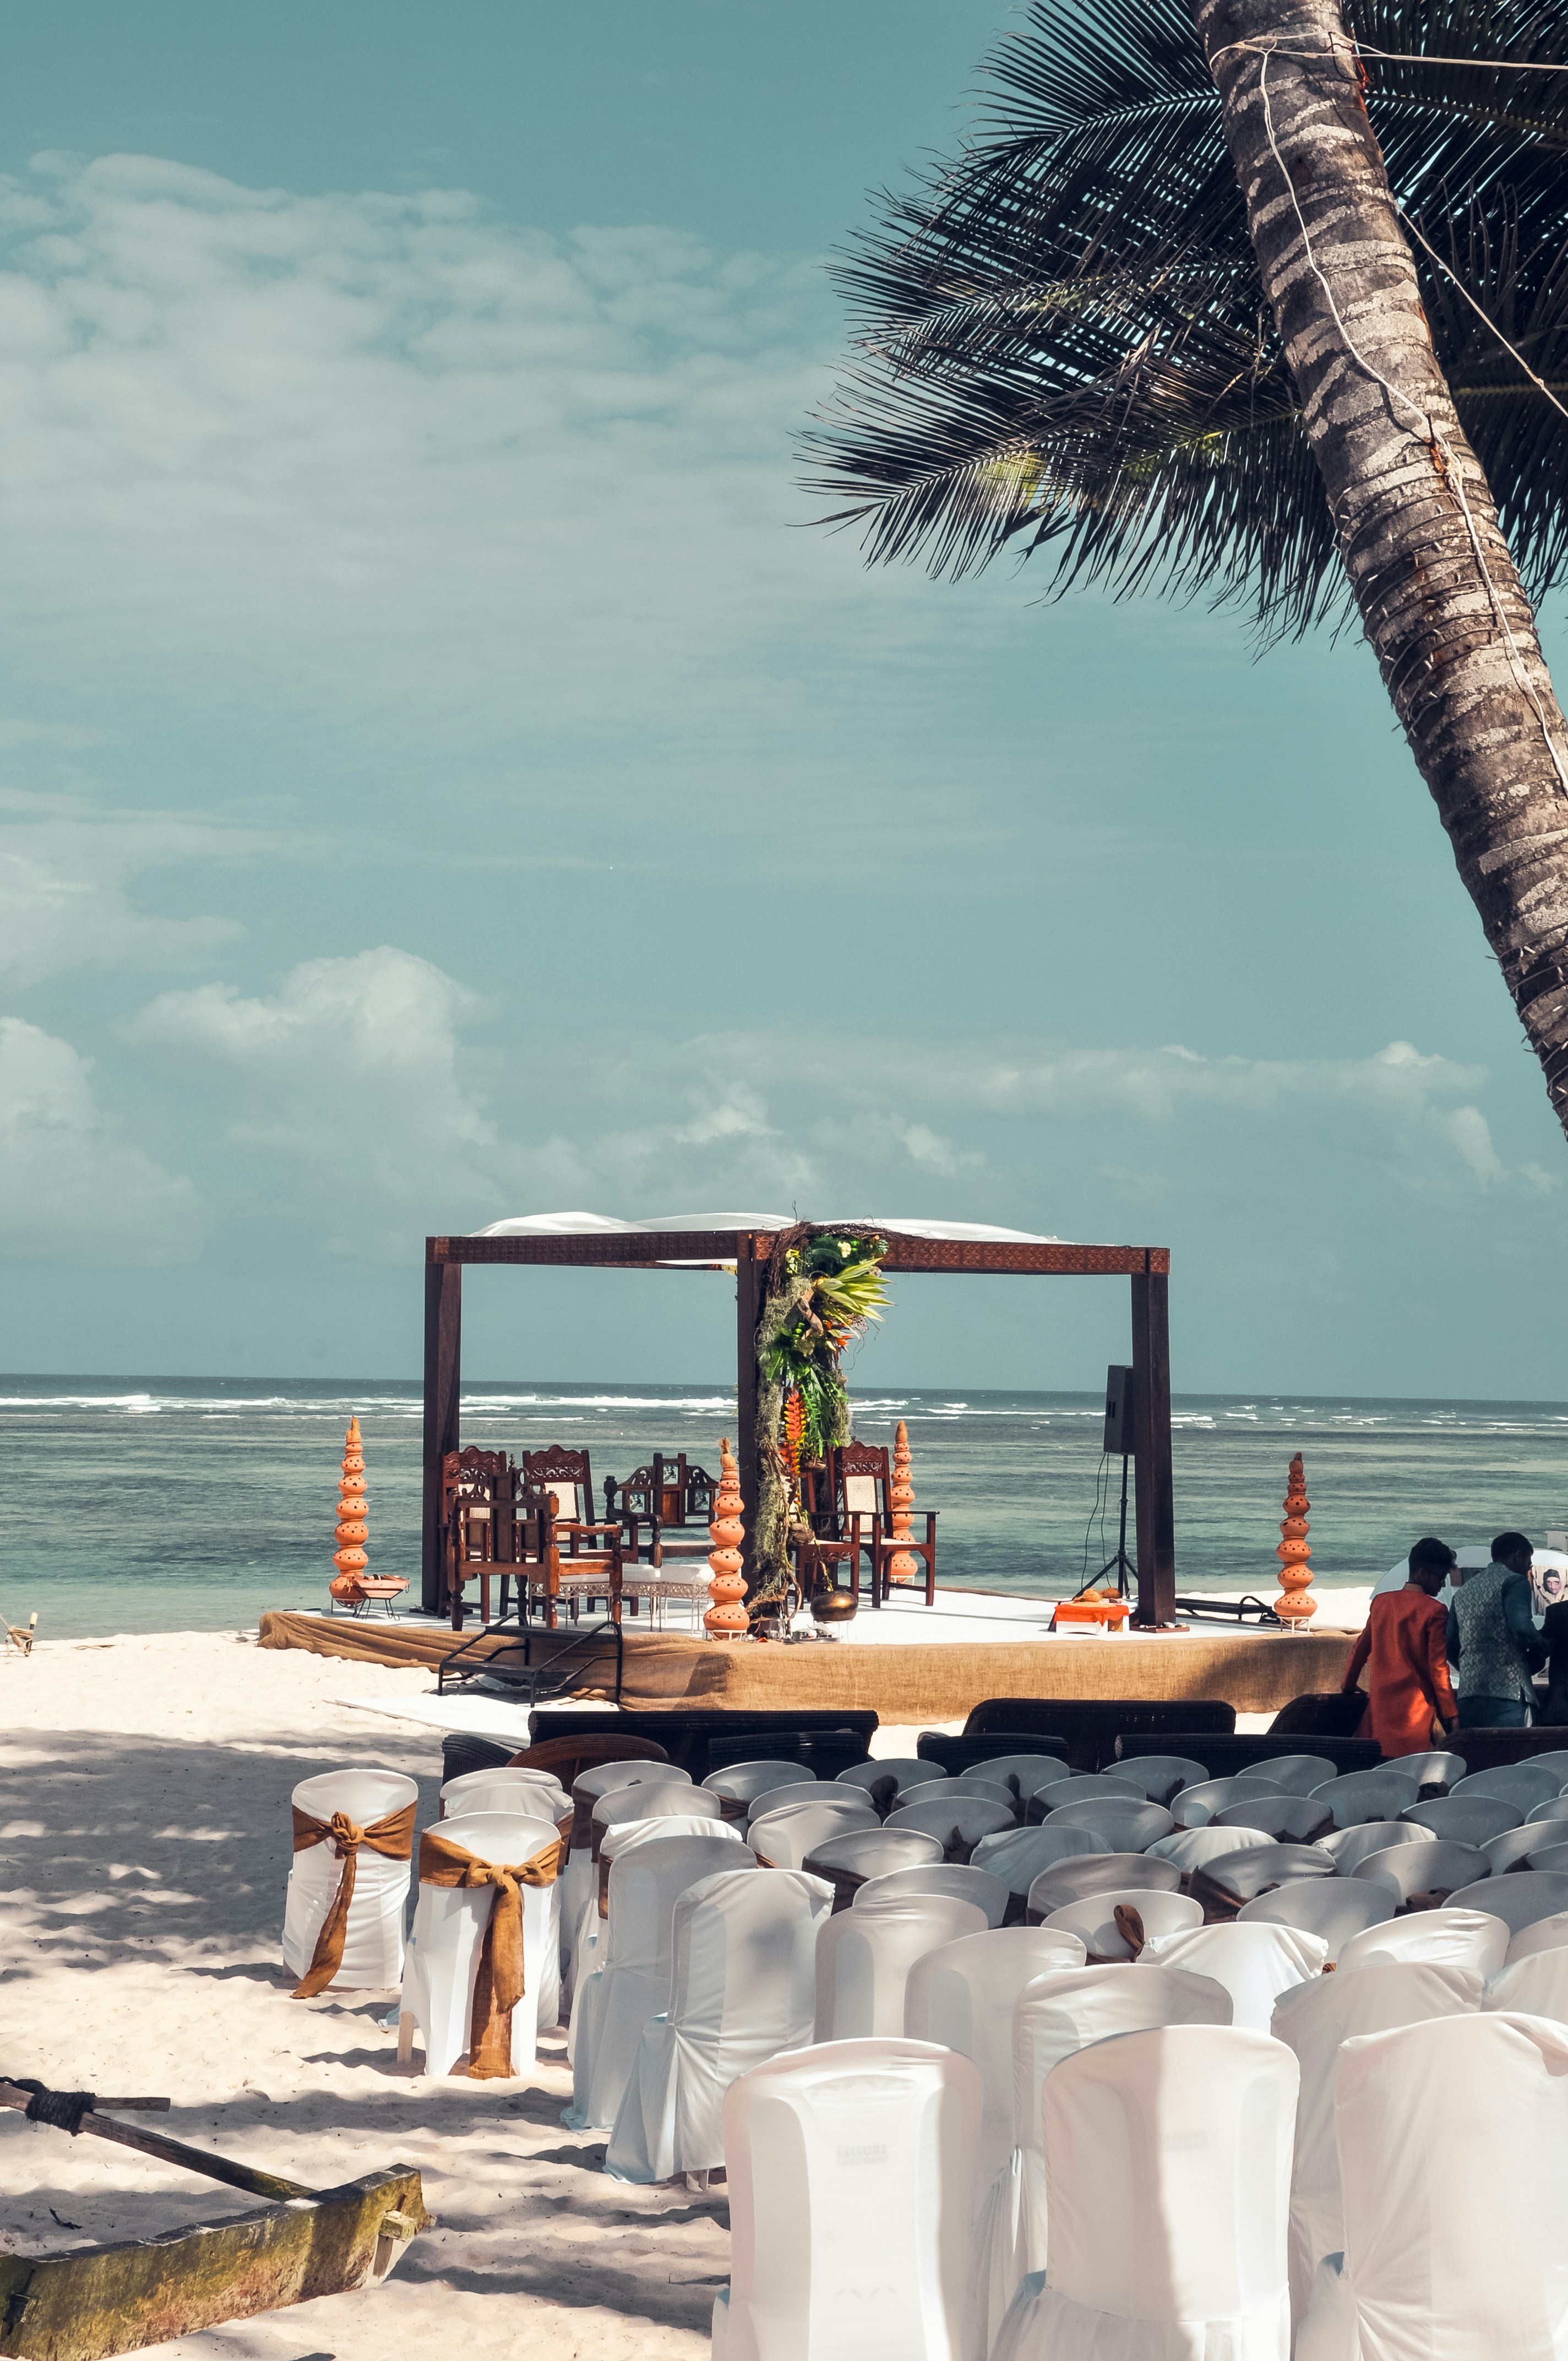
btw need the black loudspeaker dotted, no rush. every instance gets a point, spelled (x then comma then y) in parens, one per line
(1118, 1412)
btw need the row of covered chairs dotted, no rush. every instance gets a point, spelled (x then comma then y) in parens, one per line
(1187, 2172)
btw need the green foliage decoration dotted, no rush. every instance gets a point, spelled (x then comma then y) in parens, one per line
(824, 1289)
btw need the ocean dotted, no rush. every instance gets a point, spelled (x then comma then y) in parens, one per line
(188, 1504)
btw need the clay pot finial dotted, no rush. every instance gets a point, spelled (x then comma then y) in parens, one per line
(349, 1557)
(726, 1618)
(904, 1568)
(1294, 1607)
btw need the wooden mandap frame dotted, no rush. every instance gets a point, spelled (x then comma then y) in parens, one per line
(1147, 1269)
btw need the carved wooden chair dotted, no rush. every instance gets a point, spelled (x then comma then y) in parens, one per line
(850, 1509)
(473, 1483)
(560, 1559)
(671, 1500)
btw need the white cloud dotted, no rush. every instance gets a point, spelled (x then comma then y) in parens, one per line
(397, 461)
(350, 1076)
(66, 871)
(1154, 1085)
(363, 1087)
(69, 1184)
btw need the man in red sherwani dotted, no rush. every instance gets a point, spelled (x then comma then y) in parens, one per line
(1403, 1645)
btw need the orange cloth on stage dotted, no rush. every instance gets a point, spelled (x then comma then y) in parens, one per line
(1408, 1678)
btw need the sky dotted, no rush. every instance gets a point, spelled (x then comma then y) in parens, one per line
(447, 772)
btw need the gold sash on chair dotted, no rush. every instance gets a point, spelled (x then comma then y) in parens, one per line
(499, 1984)
(393, 1836)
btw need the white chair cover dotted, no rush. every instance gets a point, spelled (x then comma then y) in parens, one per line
(1256, 1963)
(1298, 1774)
(1159, 1777)
(957, 1822)
(1465, 1819)
(1195, 1807)
(1101, 1872)
(1191, 1849)
(1126, 1822)
(872, 1852)
(1519, 1899)
(1022, 1774)
(851, 2176)
(507, 1787)
(1521, 1784)
(744, 1783)
(1334, 1907)
(1555, 1807)
(1093, 1920)
(1350, 1847)
(863, 1958)
(1020, 1855)
(652, 1801)
(804, 1791)
(448, 1934)
(1552, 1857)
(977, 1781)
(579, 1879)
(1542, 1935)
(1285, 1818)
(1313, 2020)
(1258, 1869)
(785, 1838)
(1052, 2018)
(961, 1996)
(1361, 1795)
(591, 1927)
(1435, 1867)
(906, 1771)
(629, 1981)
(1167, 2175)
(1439, 1939)
(976, 1885)
(1506, 1852)
(1094, 1787)
(1437, 1770)
(742, 1987)
(1535, 1984)
(1408, 2104)
(373, 1939)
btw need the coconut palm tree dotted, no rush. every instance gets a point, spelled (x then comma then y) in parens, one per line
(1252, 298)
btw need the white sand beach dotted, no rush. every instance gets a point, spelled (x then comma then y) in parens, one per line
(145, 1846)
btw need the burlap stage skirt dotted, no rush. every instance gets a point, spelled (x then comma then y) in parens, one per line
(1255, 1673)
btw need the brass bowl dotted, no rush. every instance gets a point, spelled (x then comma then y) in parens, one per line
(832, 1606)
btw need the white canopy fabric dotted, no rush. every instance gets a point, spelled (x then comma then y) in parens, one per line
(565, 1226)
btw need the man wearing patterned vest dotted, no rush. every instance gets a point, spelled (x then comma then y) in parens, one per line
(1492, 1641)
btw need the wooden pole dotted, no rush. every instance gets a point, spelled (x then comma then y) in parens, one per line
(749, 1277)
(442, 1389)
(1151, 1451)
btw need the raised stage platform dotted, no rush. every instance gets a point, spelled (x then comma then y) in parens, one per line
(906, 1683)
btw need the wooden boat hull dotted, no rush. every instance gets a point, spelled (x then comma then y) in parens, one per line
(90, 2302)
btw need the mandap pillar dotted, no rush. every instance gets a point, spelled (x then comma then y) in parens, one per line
(749, 1275)
(443, 1388)
(1151, 1450)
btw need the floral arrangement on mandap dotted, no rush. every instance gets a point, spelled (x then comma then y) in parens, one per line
(825, 1288)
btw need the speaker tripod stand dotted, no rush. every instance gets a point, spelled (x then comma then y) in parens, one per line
(1126, 1573)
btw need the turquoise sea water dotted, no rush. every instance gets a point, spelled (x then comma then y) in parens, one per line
(189, 1503)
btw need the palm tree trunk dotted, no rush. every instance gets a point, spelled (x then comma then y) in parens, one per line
(1438, 593)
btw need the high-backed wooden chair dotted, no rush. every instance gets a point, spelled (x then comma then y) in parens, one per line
(560, 1558)
(849, 1504)
(670, 1495)
(474, 1485)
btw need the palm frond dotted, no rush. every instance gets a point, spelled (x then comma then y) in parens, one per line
(1060, 339)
